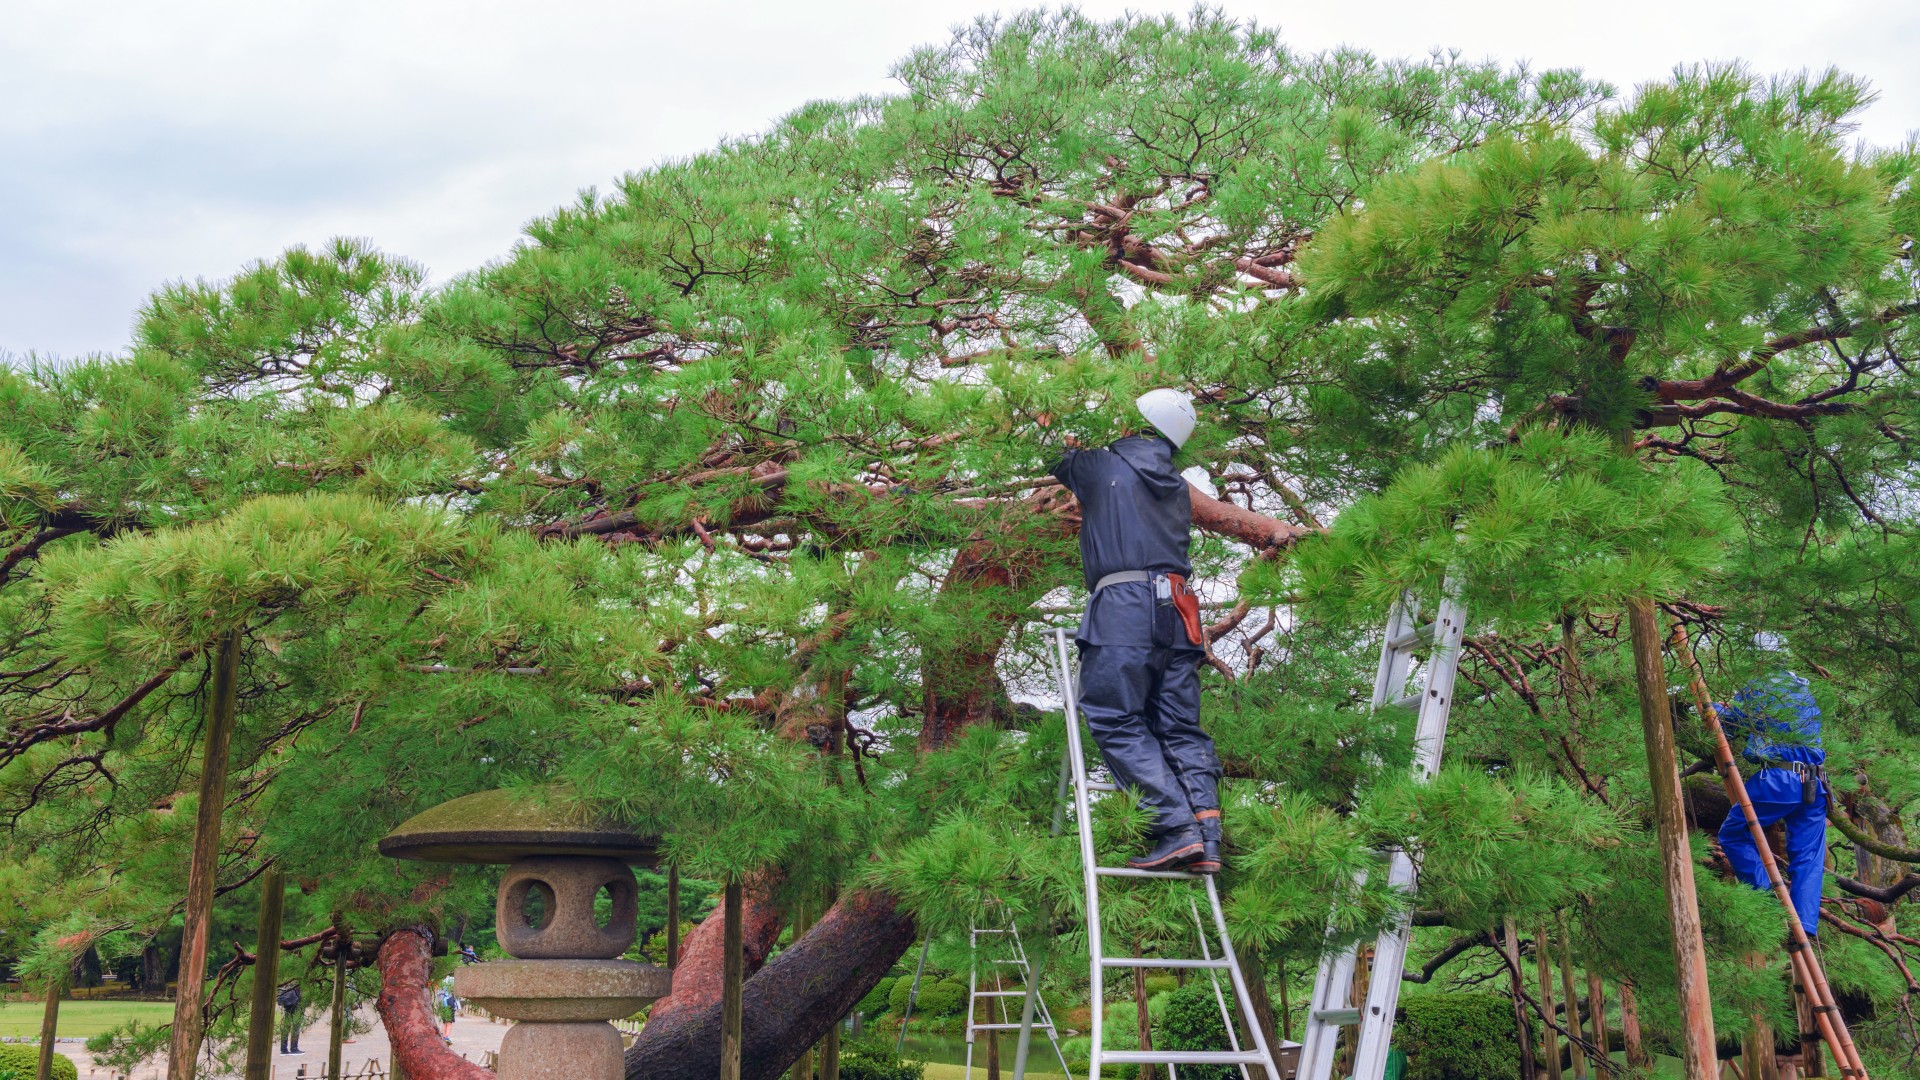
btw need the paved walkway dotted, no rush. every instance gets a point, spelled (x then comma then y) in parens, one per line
(473, 1038)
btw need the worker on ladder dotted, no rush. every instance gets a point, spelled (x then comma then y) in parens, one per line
(1140, 642)
(1781, 722)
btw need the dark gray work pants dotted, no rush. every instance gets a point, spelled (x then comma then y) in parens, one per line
(1143, 706)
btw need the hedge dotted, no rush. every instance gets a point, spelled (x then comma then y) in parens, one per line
(1191, 1021)
(938, 997)
(875, 1061)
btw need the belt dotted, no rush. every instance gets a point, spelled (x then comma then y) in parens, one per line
(1121, 577)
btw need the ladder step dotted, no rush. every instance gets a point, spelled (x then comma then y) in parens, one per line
(1128, 871)
(1101, 785)
(1001, 993)
(1037, 1026)
(1418, 636)
(1411, 701)
(1182, 1057)
(1339, 1017)
(1157, 962)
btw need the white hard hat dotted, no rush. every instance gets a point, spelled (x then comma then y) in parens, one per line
(1170, 412)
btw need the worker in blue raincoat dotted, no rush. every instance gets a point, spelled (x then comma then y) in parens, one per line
(1141, 641)
(1780, 722)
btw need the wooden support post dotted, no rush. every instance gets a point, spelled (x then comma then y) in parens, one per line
(830, 1054)
(1549, 1039)
(733, 975)
(1143, 1019)
(49, 1030)
(1637, 1055)
(1571, 995)
(337, 1028)
(1523, 1025)
(266, 976)
(1698, 1059)
(1757, 1058)
(184, 1051)
(1597, 1011)
(802, 922)
(673, 916)
(1812, 1062)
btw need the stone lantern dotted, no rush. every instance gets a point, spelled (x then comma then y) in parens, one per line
(567, 980)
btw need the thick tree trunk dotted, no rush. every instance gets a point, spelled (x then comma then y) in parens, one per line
(266, 975)
(406, 961)
(683, 1016)
(791, 1004)
(985, 592)
(203, 865)
(1676, 857)
(733, 970)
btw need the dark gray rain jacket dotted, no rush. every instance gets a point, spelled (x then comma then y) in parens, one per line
(1135, 514)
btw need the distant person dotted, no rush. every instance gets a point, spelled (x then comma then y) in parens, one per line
(289, 1001)
(1780, 723)
(446, 1007)
(468, 956)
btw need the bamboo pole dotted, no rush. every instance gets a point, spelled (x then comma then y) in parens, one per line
(1826, 1012)
(183, 1053)
(266, 975)
(337, 1028)
(673, 916)
(1549, 1043)
(49, 1031)
(1571, 995)
(733, 975)
(1698, 1057)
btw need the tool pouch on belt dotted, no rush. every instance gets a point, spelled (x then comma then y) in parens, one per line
(1188, 607)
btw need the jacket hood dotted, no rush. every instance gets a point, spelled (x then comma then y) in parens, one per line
(1152, 457)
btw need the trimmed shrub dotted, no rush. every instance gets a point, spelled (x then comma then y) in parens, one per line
(875, 1061)
(1461, 1036)
(1191, 1021)
(939, 995)
(23, 1060)
(878, 998)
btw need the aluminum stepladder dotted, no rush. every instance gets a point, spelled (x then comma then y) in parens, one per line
(1034, 1014)
(1328, 1010)
(1075, 778)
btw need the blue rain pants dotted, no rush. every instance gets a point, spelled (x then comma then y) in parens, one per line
(1143, 706)
(1777, 797)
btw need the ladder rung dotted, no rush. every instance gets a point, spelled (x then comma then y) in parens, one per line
(1182, 1057)
(1157, 962)
(1000, 993)
(1037, 1026)
(1412, 637)
(1128, 871)
(1411, 701)
(1101, 785)
(989, 931)
(1338, 1016)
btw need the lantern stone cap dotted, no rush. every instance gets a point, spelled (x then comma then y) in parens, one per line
(505, 825)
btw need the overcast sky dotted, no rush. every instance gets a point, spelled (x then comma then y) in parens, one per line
(143, 142)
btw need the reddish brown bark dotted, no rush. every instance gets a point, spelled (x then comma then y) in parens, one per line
(792, 1003)
(698, 981)
(405, 962)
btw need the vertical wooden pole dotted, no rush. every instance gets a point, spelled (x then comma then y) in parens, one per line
(1523, 1027)
(673, 916)
(1549, 1039)
(733, 976)
(1142, 1018)
(1812, 1063)
(49, 1030)
(1676, 857)
(1571, 995)
(1597, 1010)
(266, 976)
(1757, 1058)
(1637, 1055)
(184, 1051)
(1286, 1010)
(802, 922)
(993, 1037)
(830, 1054)
(337, 1030)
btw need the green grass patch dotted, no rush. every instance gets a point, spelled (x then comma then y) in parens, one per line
(79, 1019)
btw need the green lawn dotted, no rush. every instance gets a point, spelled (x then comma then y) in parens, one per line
(79, 1019)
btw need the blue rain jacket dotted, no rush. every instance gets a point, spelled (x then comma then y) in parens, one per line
(1780, 722)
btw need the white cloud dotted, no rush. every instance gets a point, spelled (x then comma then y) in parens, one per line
(145, 142)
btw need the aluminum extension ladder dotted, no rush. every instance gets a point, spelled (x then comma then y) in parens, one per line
(1034, 1014)
(1329, 1009)
(1074, 777)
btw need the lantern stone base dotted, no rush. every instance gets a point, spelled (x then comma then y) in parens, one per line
(562, 1007)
